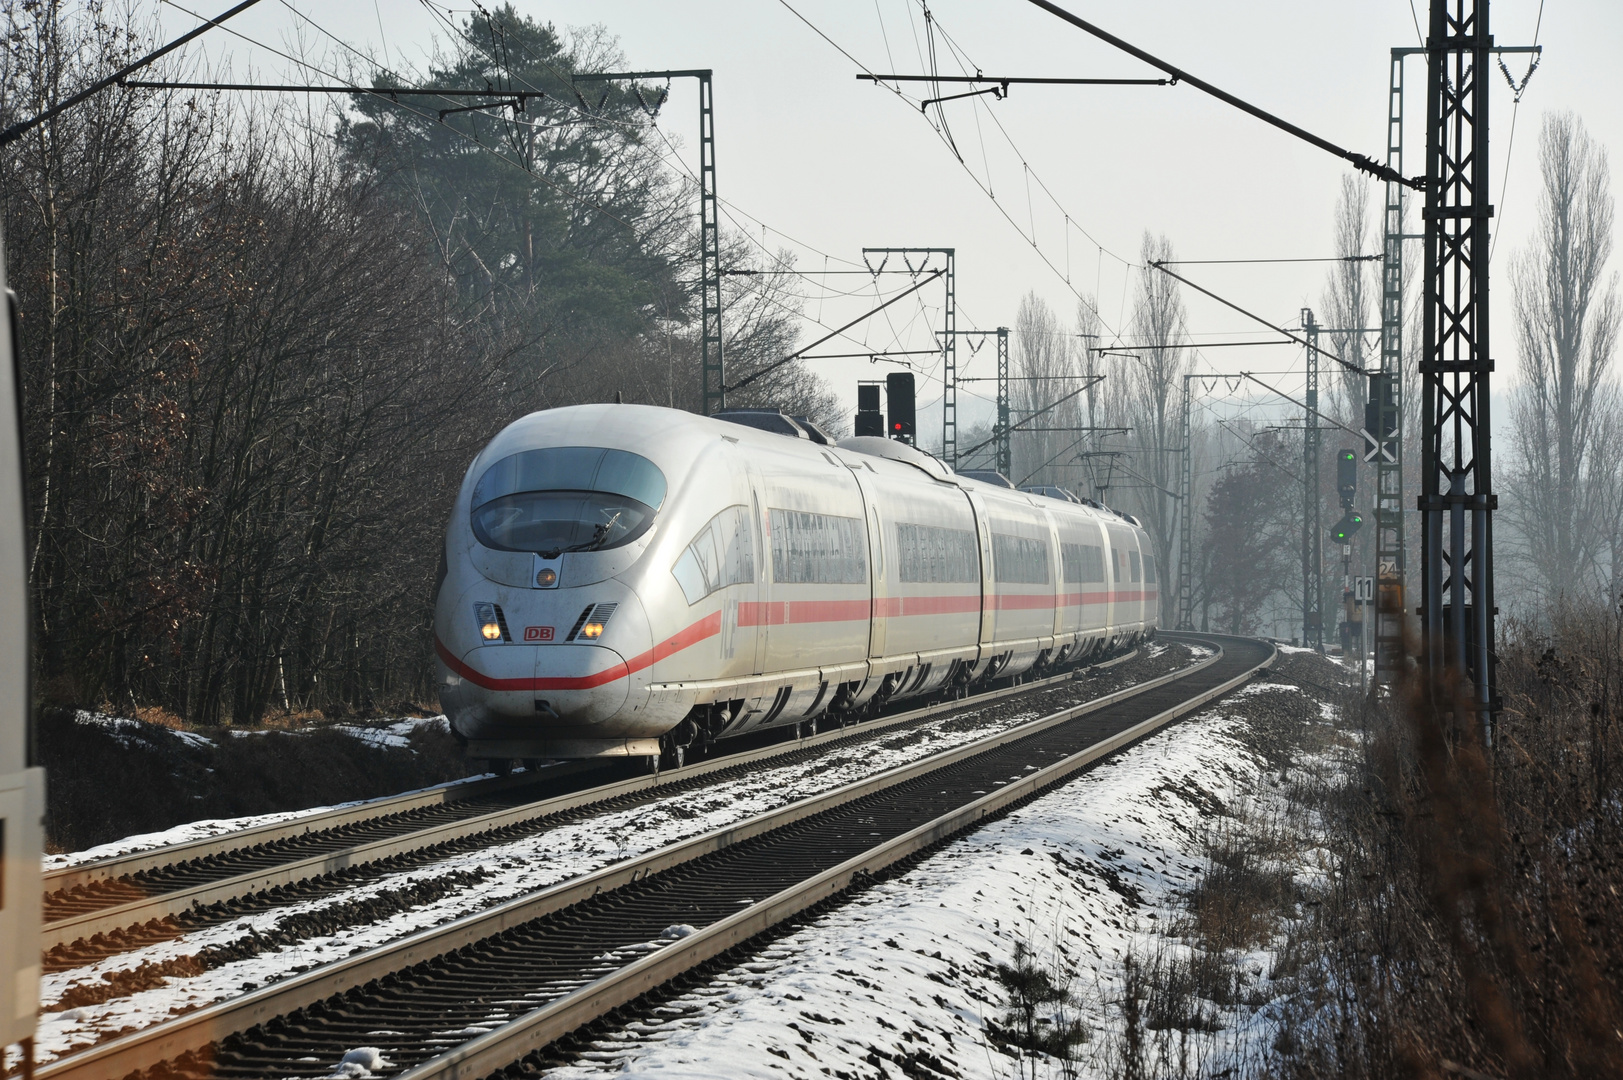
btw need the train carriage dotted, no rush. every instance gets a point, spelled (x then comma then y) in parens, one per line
(626, 580)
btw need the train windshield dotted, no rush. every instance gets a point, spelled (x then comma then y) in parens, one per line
(566, 498)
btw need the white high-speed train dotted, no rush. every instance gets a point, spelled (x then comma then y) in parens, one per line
(624, 580)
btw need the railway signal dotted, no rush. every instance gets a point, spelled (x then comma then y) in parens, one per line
(899, 403)
(1343, 531)
(1379, 446)
(870, 421)
(1346, 476)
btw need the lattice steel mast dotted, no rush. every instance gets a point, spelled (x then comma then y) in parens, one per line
(1186, 518)
(1005, 451)
(949, 344)
(1457, 500)
(1384, 413)
(1312, 543)
(714, 366)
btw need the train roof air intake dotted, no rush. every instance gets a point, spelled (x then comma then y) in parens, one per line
(776, 421)
(987, 476)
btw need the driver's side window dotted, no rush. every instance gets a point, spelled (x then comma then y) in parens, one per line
(722, 554)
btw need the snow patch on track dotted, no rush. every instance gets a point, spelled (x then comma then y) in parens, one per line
(903, 979)
(511, 870)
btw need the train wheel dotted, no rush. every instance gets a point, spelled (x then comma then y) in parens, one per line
(499, 766)
(531, 764)
(672, 757)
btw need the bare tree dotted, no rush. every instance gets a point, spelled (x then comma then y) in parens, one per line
(1567, 316)
(1608, 495)
(1349, 300)
(256, 364)
(1153, 385)
(1251, 520)
(1041, 358)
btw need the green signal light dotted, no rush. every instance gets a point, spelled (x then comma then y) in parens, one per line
(1343, 530)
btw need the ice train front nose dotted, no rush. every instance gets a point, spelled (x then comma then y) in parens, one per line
(539, 643)
(549, 673)
(562, 700)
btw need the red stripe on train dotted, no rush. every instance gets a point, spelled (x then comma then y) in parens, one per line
(707, 627)
(782, 612)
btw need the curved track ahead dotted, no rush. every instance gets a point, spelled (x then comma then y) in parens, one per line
(480, 994)
(118, 904)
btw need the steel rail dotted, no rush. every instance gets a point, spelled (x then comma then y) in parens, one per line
(167, 855)
(486, 1054)
(208, 1025)
(138, 913)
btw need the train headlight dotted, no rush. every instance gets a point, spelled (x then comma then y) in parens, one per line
(492, 626)
(546, 577)
(591, 622)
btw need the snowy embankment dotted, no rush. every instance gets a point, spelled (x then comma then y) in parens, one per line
(904, 979)
(218, 962)
(148, 785)
(394, 734)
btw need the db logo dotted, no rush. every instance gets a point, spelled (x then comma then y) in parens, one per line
(538, 633)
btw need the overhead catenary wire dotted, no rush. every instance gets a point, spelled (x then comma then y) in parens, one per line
(1236, 262)
(1086, 380)
(1071, 446)
(352, 88)
(22, 127)
(1515, 110)
(1302, 405)
(534, 91)
(984, 185)
(1259, 318)
(1359, 161)
(866, 315)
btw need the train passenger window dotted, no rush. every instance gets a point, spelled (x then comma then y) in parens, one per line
(929, 553)
(1019, 560)
(1132, 558)
(722, 554)
(1149, 569)
(566, 498)
(1115, 564)
(1082, 562)
(818, 548)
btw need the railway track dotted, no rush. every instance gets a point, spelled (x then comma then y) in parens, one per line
(100, 908)
(476, 995)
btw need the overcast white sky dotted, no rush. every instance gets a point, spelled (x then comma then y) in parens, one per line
(830, 165)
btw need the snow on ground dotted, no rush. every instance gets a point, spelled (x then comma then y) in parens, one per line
(123, 729)
(509, 870)
(902, 979)
(393, 732)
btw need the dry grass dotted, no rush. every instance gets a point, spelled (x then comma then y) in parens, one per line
(1471, 928)
(1248, 886)
(154, 714)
